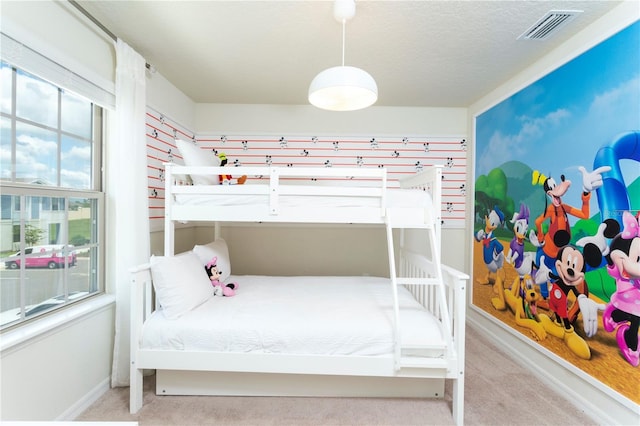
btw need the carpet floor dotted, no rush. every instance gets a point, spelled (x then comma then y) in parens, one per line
(497, 392)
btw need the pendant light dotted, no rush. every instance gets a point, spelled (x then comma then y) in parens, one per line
(343, 88)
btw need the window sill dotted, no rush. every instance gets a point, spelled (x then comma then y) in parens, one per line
(44, 326)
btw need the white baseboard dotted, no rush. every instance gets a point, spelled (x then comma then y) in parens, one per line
(85, 402)
(603, 405)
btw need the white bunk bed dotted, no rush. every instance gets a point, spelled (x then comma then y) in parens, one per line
(422, 298)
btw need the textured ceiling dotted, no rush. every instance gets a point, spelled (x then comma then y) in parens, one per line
(421, 53)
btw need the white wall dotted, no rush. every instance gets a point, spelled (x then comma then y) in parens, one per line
(305, 119)
(167, 99)
(53, 371)
(297, 249)
(56, 375)
(593, 397)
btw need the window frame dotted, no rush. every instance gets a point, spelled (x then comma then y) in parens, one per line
(20, 190)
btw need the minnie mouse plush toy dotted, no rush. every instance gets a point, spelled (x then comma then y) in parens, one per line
(219, 289)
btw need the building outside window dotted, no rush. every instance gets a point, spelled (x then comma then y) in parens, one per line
(51, 198)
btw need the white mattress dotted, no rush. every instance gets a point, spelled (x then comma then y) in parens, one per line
(395, 198)
(297, 315)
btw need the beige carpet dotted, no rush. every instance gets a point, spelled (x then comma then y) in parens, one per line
(498, 392)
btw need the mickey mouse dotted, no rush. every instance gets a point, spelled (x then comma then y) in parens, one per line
(570, 268)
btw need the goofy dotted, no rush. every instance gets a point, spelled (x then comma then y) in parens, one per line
(557, 213)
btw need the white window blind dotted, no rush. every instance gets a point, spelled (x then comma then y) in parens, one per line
(16, 53)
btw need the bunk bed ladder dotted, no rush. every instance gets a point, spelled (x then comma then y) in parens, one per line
(394, 286)
(432, 283)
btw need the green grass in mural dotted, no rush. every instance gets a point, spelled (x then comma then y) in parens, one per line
(600, 283)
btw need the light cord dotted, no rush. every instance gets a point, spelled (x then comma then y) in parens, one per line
(343, 38)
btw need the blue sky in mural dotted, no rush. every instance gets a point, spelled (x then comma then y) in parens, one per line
(558, 123)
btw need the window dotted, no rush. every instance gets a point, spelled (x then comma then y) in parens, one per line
(52, 202)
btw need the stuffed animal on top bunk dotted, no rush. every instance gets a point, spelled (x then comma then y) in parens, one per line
(228, 179)
(219, 288)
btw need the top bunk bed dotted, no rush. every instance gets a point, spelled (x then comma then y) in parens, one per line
(280, 194)
(303, 195)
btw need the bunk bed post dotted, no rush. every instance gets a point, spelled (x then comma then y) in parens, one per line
(136, 321)
(458, 291)
(216, 231)
(169, 227)
(383, 198)
(274, 190)
(436, 196)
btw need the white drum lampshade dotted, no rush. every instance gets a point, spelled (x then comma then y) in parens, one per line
(343, 88)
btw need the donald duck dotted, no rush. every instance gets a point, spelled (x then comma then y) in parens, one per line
(492, 249)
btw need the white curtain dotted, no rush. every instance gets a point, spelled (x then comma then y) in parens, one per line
(127, 228)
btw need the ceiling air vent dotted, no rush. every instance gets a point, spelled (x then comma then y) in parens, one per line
(549, 24)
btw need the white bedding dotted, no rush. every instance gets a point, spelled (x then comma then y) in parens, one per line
(395, 198)
(297, 315)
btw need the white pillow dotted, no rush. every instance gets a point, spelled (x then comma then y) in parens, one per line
(219, 249)
(196, 157)
(180, 282)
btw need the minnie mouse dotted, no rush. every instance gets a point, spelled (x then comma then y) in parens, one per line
(623, 264)
(623, 310)
(219, 289)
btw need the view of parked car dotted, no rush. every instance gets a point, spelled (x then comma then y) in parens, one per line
(45, 256)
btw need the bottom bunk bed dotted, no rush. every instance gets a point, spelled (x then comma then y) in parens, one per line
(325, 336)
